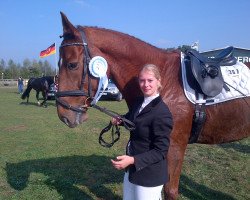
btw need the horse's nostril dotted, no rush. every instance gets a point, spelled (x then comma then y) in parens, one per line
(68, 122)
(65, 120)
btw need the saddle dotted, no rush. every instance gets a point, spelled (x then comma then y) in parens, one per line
(207, 71)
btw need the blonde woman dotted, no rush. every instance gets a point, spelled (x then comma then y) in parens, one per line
(145, 160)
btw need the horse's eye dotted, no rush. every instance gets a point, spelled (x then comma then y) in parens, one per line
(72, 66)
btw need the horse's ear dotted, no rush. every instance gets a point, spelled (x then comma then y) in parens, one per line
(68, 28)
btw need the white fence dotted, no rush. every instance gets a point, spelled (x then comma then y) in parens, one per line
(11, 82)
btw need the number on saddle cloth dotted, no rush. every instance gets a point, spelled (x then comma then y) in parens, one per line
(207, 71)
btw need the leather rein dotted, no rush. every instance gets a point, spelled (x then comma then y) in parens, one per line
(76, 93)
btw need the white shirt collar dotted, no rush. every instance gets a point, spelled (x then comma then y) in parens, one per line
(147, 100)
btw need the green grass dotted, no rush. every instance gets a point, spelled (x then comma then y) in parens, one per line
(41, 158)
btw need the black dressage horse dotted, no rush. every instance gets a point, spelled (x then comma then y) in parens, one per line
(41, 84)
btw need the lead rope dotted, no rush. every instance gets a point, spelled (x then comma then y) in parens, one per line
(130, 126)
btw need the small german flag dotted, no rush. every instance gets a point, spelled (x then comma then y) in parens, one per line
(49, 51)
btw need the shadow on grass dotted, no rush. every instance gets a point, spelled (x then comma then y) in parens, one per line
(74, 177)
(49, 103)
(199, 191)
(236, 146)
(82, 177)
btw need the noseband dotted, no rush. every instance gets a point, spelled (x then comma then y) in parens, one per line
(81, 92)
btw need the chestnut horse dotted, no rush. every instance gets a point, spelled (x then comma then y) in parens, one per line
(125, 55)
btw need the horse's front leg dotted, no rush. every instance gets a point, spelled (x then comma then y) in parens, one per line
(45, 96)
(28, 96)
(175, 160)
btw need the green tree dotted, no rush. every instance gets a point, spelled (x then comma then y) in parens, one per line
(48, 68)
(36, 68)
(183, 48)
(34, 72)
(14, 72)
(26, 63)
(24, 72)
(2, 64)
(41, 67)
(2, 67)
(7, 73)
(26, 69)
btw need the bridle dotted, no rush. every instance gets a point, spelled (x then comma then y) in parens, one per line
(75, 93)
(81, 92)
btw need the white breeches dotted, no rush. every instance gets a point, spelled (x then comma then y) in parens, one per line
(137, 192)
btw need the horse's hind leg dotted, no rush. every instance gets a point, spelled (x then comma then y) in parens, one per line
(175, 160)
(37, 98)
(45, 98)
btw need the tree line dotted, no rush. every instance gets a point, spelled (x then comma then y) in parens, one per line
(29, 68)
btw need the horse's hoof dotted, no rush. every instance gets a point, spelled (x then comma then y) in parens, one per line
(38, 103)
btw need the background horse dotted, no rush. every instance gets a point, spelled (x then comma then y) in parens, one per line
(41, 84)
(226, 122)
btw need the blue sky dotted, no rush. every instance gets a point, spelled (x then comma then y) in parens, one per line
(30, 26)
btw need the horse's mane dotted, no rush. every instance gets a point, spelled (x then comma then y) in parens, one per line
(126, 35)
(247, 64)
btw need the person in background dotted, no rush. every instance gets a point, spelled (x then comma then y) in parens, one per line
(20, 85)
(145, 161)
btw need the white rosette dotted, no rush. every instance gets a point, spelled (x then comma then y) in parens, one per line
(98, 67)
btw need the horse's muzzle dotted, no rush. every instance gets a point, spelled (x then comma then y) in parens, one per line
(71, 118)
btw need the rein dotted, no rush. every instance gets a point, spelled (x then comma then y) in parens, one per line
(76, 93)
(130, 126)
(127, 124)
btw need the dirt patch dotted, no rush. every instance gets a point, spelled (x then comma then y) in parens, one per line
(16, 128)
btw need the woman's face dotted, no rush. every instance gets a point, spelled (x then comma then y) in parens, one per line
(148, 83)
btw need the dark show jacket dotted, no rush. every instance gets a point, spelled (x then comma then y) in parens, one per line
(149, 142)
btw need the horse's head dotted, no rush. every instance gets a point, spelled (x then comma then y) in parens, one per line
(88, 55)
(76, 84)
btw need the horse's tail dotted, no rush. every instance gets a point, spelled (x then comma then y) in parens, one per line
(28, 89)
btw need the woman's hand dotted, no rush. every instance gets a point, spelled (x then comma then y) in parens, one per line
(122, 162)
(116, 121)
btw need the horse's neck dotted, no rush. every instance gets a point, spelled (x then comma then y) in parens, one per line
(126, 56)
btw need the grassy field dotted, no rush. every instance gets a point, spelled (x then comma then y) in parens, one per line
(41, 158)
